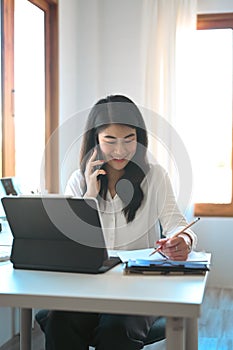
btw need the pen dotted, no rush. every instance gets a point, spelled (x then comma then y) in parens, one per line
(177, 234)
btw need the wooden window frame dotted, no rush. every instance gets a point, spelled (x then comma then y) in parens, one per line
(50, 7)
(215, 21)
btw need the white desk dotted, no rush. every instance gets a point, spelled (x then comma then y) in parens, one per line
(6, 237)
(179, 298)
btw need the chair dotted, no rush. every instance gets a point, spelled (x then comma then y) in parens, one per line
(156, 333)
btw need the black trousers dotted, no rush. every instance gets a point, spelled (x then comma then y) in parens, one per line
(77, 330)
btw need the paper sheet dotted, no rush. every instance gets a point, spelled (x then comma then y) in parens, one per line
(125, 255)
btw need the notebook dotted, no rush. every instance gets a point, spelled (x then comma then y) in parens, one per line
(57, 233)
(165, 267)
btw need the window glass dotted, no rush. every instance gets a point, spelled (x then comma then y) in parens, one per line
(29, 93)
(207, 126)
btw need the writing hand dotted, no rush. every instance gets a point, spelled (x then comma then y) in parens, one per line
(175, 248)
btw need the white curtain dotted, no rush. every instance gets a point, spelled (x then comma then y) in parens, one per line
(167, 31)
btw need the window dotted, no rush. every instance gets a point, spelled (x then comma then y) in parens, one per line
(29, 96)
(17, 87)
(215, 87)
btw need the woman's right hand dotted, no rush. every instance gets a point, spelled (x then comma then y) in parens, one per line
(91, 174)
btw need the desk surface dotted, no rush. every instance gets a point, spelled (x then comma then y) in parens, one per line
(179, 296)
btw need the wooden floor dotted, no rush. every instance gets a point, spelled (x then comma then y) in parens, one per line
(37, 341)
(215, 324)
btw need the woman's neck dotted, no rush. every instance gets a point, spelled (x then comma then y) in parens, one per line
(113, 176)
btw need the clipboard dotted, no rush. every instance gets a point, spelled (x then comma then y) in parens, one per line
(165, 267)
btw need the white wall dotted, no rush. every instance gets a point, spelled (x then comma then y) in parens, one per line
(216, 236)
(214, 6)
(85, 78)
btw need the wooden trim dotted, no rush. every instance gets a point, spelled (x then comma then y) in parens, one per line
(45, 5)
(52, 93)
(53, 2)
(215, 21)
(42, 4)
(8, 127)
(211, 209)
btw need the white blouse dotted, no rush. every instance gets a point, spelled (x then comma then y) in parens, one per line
(158, 209)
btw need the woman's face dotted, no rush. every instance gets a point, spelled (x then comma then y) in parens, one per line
(118, 144)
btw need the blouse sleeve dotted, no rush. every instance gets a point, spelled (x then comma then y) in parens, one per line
(75, 185)
(170, 216)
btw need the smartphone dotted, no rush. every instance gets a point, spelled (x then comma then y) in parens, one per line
(99, 156)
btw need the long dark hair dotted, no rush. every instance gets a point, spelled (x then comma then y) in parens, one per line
(119, 109)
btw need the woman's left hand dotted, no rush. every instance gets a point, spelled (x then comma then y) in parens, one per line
(174, 248)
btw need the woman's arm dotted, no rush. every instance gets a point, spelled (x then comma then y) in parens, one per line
(173, 221)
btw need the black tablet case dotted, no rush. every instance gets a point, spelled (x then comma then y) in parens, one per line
(75, 243)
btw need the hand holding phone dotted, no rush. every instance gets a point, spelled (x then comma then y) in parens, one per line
(92, 174)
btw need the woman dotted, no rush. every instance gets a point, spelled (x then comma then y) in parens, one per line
(136, 200)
